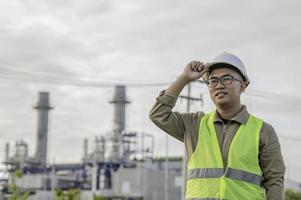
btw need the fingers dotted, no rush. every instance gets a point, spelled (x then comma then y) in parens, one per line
(195, 70)
(196, 66)
(200, 67)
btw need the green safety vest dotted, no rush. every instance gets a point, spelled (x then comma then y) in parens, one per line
(241, 179)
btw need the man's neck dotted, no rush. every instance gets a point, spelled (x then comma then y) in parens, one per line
(229, 112)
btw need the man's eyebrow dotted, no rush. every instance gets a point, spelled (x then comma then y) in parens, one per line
(220, 76)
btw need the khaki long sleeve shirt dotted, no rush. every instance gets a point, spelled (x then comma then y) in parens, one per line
(185, 127)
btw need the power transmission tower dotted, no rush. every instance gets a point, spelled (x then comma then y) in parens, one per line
(189, 99)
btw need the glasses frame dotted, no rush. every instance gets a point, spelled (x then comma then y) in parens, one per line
(220, 79)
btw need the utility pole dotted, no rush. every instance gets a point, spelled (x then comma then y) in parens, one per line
(166, 171)
(189, 99)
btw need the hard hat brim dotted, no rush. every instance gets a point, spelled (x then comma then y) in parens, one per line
(216, 65)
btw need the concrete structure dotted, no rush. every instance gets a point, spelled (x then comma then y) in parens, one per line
(144, 181)
(42, 108)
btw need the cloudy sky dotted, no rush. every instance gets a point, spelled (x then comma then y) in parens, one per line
(77, 50)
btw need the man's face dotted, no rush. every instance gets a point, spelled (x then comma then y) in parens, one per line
(226, 94)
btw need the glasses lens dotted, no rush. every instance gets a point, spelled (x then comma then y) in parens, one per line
(226, 79)
(212, 82)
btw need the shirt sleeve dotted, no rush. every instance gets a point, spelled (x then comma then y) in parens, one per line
(271, 163)
(161, 114)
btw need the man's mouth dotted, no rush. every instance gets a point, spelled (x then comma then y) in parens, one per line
(220, 93)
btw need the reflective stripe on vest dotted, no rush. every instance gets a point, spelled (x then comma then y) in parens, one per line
(229, 173)
(243, 176)
(205, 173)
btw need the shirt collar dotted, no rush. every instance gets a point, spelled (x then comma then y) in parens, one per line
(241, 117)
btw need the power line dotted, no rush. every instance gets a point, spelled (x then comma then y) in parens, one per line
(60, 82)
(58, 79)
(20, 74)
(37, 74)
(75, 82)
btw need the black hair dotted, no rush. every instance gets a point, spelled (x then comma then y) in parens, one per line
(225, 65)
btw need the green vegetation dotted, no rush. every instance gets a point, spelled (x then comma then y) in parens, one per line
(16, 194)
(292, 195)
(18, 173)
(170, 158)
(98, 198)
(73, 194)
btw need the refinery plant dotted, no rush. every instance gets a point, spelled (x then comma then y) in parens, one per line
(112, 170)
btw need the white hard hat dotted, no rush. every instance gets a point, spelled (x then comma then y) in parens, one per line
(232, 60)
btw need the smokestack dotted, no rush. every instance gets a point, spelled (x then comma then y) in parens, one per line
(42, 108)
(6, 152)
(85, 149)
(114, 147)
(119, 102)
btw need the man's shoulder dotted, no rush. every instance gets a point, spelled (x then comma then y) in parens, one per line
(267, 132)
(266, 128)
(265, 124)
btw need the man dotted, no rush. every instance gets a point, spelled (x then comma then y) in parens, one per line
(231, 153)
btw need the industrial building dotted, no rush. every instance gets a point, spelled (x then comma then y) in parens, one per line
(111, 170)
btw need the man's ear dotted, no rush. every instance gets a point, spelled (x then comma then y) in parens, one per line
(243, 86)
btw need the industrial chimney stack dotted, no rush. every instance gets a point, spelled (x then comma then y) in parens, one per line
(114, 146)
(6, 152)
(42, 108)
(119, 102)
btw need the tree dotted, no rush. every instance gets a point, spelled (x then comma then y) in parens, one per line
(292, 195)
